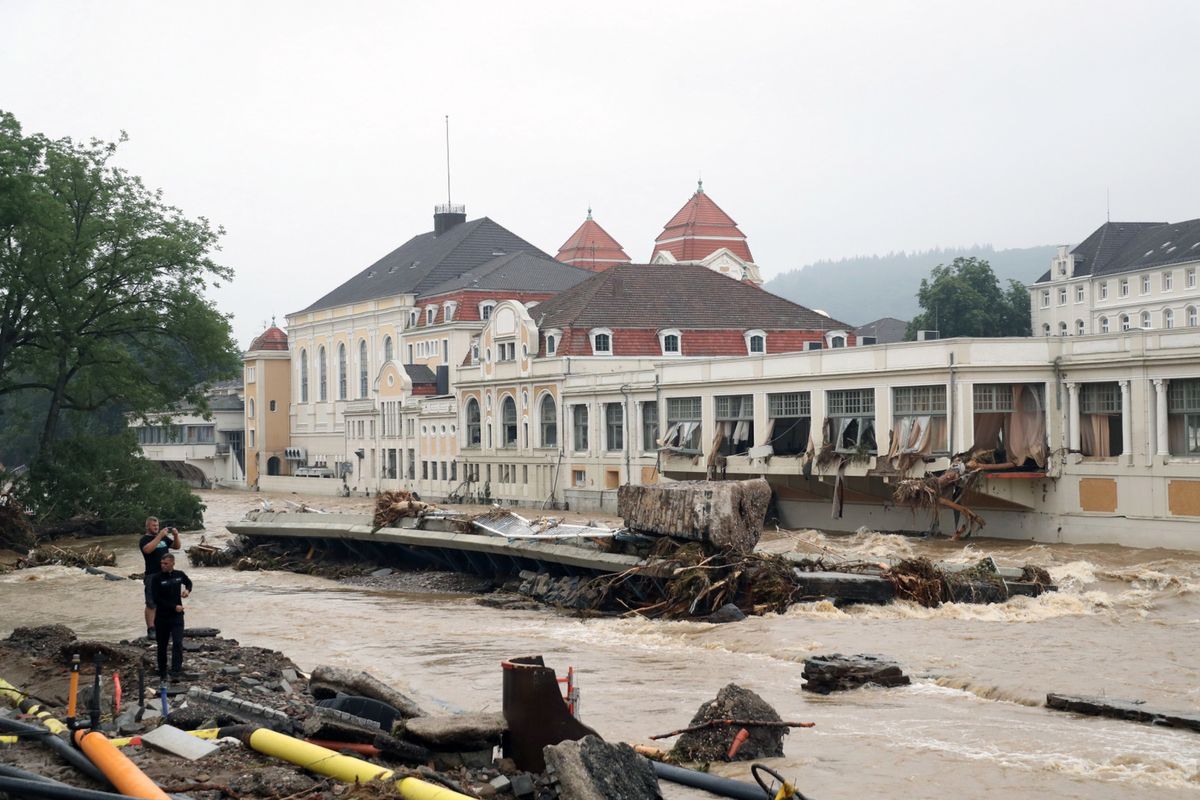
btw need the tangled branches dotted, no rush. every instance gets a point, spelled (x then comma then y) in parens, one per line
(391, 507)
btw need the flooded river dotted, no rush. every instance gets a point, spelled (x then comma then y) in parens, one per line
(1125, 623)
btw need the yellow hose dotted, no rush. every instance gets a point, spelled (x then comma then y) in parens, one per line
(22, 702)
(323, 761)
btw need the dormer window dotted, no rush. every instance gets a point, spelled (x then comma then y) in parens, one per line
(756, 342)
(485, 309)
(551, 344)
(448, 309)
(474, 351)
(430, 315)
(602, 344)
(507, 351)
(671, 341)
(836, 339)
(412, 318)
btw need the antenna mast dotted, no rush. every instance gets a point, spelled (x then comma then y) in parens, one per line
(447, 159)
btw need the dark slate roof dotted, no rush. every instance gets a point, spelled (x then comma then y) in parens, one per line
(884, 329)
(1117, 247)
(419, 374)
(426, 261)
(519, 271)
(226, 402)
(674, 296)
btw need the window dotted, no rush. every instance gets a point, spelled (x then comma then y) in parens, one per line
(472, 424)
(1145, 319)
(866, 340)
(272, 404)
(1145, 284)
(919, 420)
(1045, 329)
(1124, 322)
(1062, 295)
(579, 419)
(614, 427)
(448, 309)
(322, 377)
(1079, 327)
(303, 376)
(852, 418)
(789, 422)
(250, 407)
(1062, 329)
(1104, 324)
(1045, 298)
(1010, 419)
(387, 350)
(579, 477)
(735, 424)
(1124, 287)
(1079, 293)
(837, 341)
(1100, 419)
(251, 374)
(813, 345)
(445, 351)
(362, 368)
(1168, 281)
(756, 342)
(1191, 317)
(430, 315)
(410, 355)
(1183, 417)
(424, 470)
(508, 419)
(548, 416)
(683, 424)
(250, 434)
(341, 372)
(1189, 278)
(601, 342)
(1168, 318)
(649, 426)
(551, 344)
(1103, 290)
(506, 351)
(485, 309)
(670, 342)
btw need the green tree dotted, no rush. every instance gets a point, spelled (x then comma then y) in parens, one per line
(101, 286)
(964, 298)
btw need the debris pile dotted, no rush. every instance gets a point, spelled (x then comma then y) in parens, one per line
(46, 554)
(16, 531)
(592, 769)
(711, 734)
(839, 673)
(205, 555)
(393, 506)
(921, 581)
(724, 515)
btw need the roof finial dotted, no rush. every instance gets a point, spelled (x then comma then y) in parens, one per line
(700, 185)
(272, 320)
(589, 211)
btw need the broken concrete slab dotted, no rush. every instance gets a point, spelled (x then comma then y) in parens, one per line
(1122, 709)
(733, 702)
(726, 515)
(455, 731)
(172, 740)
(326, 682)
(836, 672)
(847, 587)
(592, 769)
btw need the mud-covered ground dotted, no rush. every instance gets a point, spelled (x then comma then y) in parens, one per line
(34, 660)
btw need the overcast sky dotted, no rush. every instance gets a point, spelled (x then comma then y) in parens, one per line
(313, 132)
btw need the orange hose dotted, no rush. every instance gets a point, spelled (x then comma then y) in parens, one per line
(737, 743)
(73, 691)
(116, 766)
(350, 747)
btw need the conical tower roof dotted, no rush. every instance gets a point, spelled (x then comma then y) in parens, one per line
(591, 247)
(699, 229)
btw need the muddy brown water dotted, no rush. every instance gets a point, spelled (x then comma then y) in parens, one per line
(1125, 623)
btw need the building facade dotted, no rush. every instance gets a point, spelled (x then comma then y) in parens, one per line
(203, 449)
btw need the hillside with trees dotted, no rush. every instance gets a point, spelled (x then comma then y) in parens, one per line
(864, 288)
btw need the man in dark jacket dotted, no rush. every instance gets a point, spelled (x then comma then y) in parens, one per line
(168, 587)
(156, 541)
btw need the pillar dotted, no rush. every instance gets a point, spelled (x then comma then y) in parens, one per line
(1126, 423)
(1076, 440)
(1160, 417)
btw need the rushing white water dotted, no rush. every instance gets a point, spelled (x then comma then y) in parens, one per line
(1125, 623)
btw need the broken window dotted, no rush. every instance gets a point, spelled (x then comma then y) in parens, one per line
(852, 418)
(683, 424)
(1010, 421)
(580, 424)
(1183, 417)
(919, 421)
(649, 426)
(508, 412)
(614, 426)
(789, 423)
(1100, 419)
(735, 424)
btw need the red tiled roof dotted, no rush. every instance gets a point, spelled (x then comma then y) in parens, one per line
(591, 247)
(699, 229)
(270, 339)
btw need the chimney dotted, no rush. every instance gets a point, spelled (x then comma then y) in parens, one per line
(446, 216)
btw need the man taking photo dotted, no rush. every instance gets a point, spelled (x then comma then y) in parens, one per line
(155, 543)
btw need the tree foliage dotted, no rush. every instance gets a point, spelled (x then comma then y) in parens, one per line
(964, 298)
(102, 312)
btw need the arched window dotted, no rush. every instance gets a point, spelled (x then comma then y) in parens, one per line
(1168, 318)
(1146, 318)
(602, 344)
(1192, 317)
(614, 426)
(1079, 327)
(548, 416)
(303, 375)
(1062, 328)
(250, 407)
(837, 341)
(508, 418)
(670, 341)
(579, 420)
(387, 349)
(1124, 322)
(341, 373)
(472, 424)
(1104, 324)
(1045, 329)
(362, 368)
(485, 309)
(322, 376)
(551, 345)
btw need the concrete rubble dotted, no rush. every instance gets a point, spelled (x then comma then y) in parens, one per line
(732, 702)
(726, 515)
(837, 673)
(591, 769)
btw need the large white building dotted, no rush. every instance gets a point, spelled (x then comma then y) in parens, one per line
(1125, 275)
